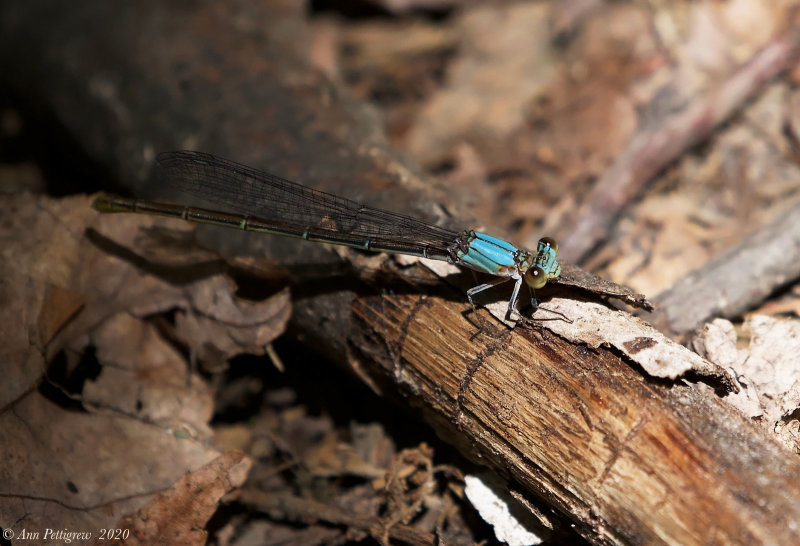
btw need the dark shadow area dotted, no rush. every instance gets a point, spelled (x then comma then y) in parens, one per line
(33, 133)
(66, 376)
(365, 9)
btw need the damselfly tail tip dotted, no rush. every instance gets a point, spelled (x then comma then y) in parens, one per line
(106, 203)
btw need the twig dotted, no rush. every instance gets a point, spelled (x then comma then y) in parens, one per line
(650, 150)
(734, 281)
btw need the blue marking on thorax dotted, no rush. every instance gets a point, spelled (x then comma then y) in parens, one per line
(488, 254)
(495, 241)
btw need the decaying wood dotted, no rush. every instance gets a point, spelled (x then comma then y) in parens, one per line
(630, 460)
(734, 281)
(652, 149)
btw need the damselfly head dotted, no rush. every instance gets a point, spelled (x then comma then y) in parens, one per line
(545, 266)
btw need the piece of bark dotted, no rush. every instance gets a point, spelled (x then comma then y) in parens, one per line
(574, 276)
(734, 281)
(595, 325)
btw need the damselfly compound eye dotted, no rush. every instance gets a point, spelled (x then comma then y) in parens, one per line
(535, 277)
(551, 242)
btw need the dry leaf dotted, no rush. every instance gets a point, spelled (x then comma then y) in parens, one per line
(179, 516)
(82, 471)
(64, 287)
(143, 376)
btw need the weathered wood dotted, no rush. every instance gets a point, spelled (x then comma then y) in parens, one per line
(734, 281)
(630, 461)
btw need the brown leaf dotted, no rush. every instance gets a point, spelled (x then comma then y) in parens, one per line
(144, 376)
(59, 305)
(491, 82)
(42, 246)
(81, 471)
(332, 457)
(63, 286)
(179, 515)
(219, 325)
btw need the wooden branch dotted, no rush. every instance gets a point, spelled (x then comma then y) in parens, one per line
(628, 459)
(736, 280)
(650, 150)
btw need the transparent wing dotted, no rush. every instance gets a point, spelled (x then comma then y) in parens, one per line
(249, 191)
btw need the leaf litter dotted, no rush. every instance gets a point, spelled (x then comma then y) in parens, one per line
(132, 447)
(89, 456)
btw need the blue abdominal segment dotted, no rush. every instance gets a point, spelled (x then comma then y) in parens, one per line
(487, 254)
